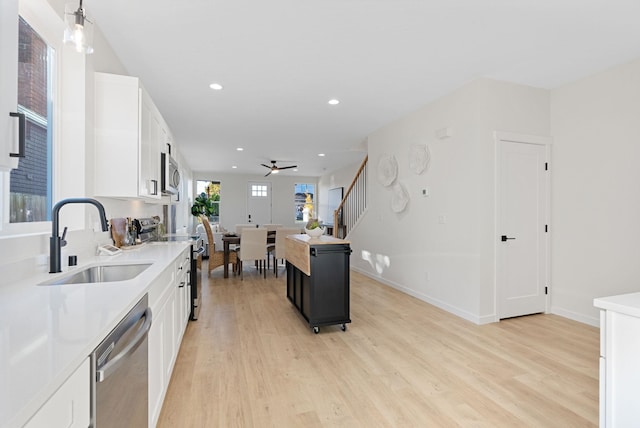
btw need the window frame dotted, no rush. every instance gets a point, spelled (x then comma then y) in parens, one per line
(47, 23)
(313, 202)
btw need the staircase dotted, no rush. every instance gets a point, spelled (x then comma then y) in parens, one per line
(353, 204)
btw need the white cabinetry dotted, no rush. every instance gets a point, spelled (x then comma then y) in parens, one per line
(619, 359)
(128, 139)
(8, 82)
(167, 302)
(69, 406)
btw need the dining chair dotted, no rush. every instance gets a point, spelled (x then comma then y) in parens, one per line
(272, 227)
(253, 247)
(240, 227)
(216, 255)
(278, 251)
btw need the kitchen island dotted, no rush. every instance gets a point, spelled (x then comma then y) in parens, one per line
(619, 356)
(47, 332)
(318, 279)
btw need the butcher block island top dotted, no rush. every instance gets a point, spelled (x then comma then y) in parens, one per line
(297, 249)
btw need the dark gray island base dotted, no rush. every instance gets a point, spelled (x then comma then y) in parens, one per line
(318, 279)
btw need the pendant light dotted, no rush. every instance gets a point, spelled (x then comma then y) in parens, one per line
(78, 29)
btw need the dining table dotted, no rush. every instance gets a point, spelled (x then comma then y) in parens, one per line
(229, 239)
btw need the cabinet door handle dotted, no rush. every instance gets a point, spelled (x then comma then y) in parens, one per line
(155, 187)
(504, 238)
(21, 134)
(182, 284)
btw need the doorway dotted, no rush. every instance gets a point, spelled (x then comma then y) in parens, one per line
(258, 202)
(522, 261)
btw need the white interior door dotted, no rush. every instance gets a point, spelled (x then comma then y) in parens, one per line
(522, 261)
(259, 202)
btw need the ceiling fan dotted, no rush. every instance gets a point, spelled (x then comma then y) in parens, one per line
(274, 169)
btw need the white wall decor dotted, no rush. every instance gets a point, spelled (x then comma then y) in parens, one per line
(387, 169)
(399, 198)
(419, 158)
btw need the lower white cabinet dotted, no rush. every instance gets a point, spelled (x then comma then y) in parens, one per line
(167, 329)
(619, 360)
(69, 406)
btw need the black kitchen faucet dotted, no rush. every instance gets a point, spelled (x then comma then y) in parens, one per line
(56, 242)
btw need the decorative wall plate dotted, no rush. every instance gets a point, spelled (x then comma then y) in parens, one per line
(387, 169)
(419, 158)
(399, 198)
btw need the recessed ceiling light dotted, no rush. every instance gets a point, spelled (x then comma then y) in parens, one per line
(239, 149)
(234, 167)
(216, 86)
(295, 170)
(321, 154)
(334, 102)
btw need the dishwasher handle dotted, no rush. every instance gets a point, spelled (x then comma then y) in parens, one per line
(116, 361)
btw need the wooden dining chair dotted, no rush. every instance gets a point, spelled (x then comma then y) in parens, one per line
(278, 251)
(216, 255)
(253, 248)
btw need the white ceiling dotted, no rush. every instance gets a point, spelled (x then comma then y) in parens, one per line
(280, 61)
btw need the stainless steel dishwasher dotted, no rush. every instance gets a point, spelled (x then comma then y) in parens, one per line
(119, 387)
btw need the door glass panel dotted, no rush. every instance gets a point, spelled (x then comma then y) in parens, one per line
(30, 183)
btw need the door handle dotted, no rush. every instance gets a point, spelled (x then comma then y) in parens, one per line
(21, 134)
(504, 238)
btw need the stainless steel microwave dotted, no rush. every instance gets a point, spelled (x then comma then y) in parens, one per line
(169, 174)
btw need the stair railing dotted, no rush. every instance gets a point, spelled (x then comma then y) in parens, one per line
(353, 204)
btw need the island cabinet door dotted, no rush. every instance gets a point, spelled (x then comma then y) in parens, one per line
(294, 284)
(326, 299)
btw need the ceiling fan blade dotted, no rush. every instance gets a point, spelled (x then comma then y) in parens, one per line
(266, 166)
(268, 174)
(287, 167)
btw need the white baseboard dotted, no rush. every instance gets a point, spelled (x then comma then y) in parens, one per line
(432, 301)
(595, 322)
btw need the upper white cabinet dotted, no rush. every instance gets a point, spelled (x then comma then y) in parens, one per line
(128, 137)
(8, 83)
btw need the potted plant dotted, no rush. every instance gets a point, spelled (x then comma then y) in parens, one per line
(203, 205)
(313, 228)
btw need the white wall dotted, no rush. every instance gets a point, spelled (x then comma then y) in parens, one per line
(233, 196)
(442, 247)
(595, 241)
(339, 178)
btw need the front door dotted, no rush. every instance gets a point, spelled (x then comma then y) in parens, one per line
(259, 202)
(522, 247)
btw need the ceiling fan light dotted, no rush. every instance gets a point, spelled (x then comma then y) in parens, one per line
(275, 171)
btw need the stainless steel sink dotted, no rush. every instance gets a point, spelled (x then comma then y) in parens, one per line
(101, 273)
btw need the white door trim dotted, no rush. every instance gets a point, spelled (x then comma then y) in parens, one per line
(547, 142)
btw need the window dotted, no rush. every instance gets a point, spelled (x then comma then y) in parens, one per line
(259, 190)
(30, 184)
(212, 191)
(303, 200)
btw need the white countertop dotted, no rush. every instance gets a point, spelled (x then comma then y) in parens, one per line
(47, 331)
(628, 304)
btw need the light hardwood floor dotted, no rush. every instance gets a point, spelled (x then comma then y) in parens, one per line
(252, 361)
